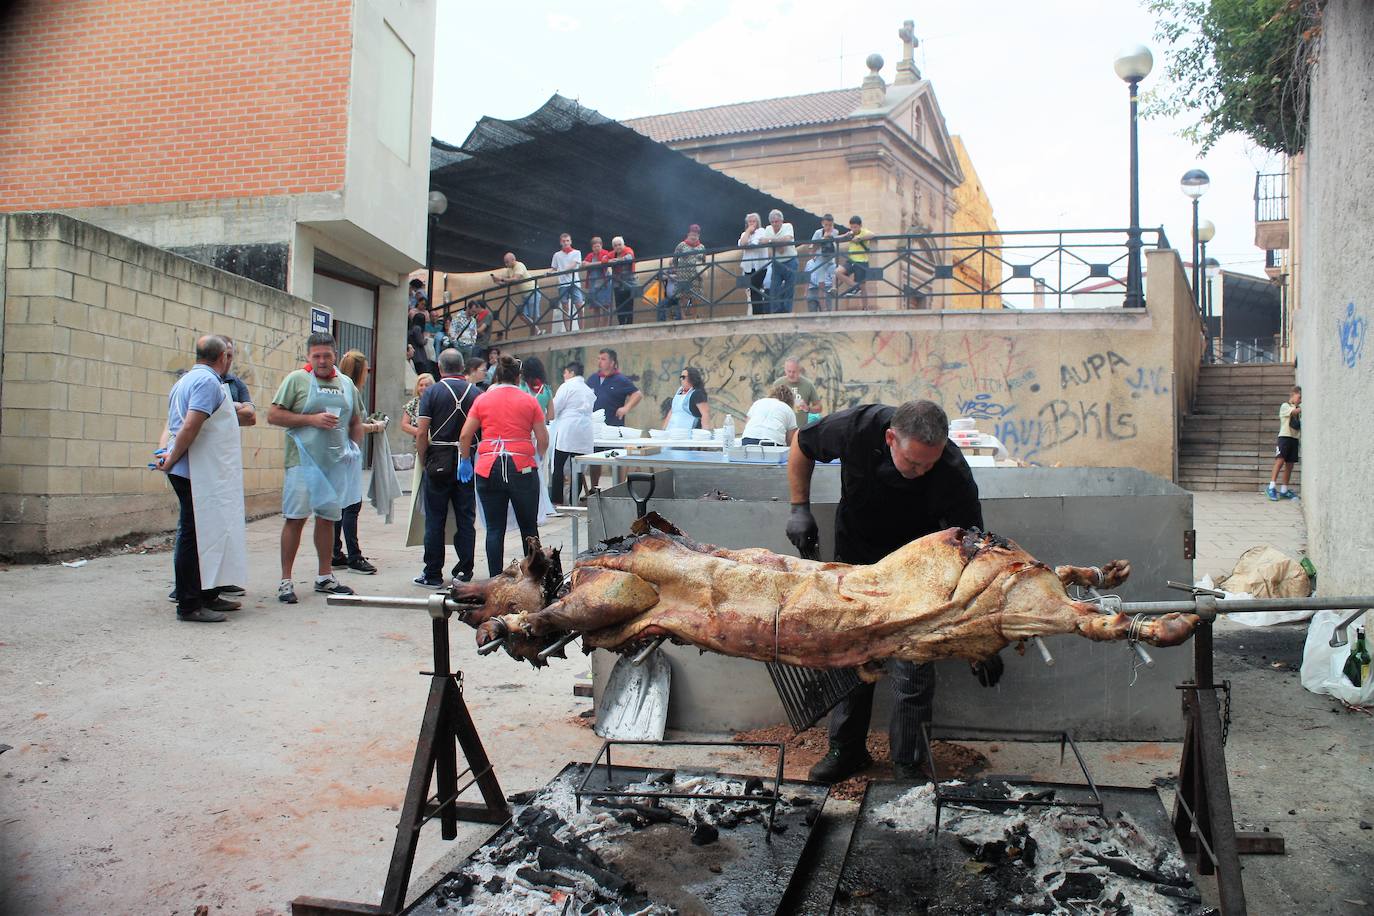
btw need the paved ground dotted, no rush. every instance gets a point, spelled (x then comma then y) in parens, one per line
(159, 766)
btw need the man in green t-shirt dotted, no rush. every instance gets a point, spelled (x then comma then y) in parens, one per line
(805, 398)
(322, 413)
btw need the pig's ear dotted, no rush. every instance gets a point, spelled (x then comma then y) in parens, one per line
(536, 563)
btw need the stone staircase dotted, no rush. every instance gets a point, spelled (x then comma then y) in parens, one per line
(1227, 442)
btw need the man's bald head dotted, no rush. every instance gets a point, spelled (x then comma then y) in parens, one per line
(210, 348)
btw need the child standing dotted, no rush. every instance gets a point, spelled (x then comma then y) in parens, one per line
(1286, 448)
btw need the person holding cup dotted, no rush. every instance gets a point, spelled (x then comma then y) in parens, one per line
(322, 413)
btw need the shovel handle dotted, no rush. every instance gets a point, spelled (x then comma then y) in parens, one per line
(641, 503)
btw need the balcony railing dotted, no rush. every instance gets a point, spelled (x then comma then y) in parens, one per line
(1271, 197)
(1049, 269)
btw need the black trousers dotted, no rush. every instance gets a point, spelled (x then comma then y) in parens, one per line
(346, 529)
(185, 554)
(440, 494)
(556, 491)
(913, 696)
(624, 304)
(506, 487)
(757, 298)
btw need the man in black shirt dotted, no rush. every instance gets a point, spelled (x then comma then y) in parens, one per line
(900, 479)
(443, 409)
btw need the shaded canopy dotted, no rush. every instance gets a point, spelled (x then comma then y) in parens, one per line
(515, 185)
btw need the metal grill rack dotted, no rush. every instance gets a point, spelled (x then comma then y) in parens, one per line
(582, 791)
(944, 797)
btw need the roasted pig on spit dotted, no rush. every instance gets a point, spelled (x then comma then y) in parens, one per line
(954, 594)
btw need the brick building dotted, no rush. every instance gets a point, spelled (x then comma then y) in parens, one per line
(287, 143)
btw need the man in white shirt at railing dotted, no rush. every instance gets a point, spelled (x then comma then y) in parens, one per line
(566, 261)
(779, 237)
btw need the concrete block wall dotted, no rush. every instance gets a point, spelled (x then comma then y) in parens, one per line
(96, 329)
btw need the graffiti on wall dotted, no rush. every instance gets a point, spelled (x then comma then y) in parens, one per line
(1350, 330)
(1103, 398)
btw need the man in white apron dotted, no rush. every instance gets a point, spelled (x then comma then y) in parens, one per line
(322, 414)
(204, 464)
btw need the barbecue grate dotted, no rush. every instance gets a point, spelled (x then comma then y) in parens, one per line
(809, 693)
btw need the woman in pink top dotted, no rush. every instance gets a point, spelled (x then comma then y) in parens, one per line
(513, 439)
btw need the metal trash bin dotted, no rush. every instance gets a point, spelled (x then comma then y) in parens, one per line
(1083, 516)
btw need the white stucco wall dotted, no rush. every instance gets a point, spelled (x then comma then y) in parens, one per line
(1334, 336)
(384, 195)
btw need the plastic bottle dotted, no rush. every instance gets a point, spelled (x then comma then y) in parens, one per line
(729, 430)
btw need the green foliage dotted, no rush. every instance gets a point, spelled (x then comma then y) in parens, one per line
(1239, 66)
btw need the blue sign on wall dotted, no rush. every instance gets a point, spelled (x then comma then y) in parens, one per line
(321, 321)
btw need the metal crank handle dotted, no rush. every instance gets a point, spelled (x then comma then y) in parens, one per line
(643, 654)
(1340, 636)
(1044, 650)
(438, 605)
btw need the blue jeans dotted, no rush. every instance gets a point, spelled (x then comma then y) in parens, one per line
(784, 285)
(506, 487)
(439, 496)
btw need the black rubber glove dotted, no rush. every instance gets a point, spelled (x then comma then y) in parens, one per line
(802, 530)
(988, 671)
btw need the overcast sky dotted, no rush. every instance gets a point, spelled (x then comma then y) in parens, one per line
(1029, 86)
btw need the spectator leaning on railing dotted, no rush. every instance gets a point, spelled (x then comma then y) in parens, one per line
(515, 274)
(753, 263)
(689, 263)
(821, 268)
(598, 285)
(566, 261)
(779, 237)
(622, 262)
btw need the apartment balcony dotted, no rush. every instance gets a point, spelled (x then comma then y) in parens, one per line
(1271, 211)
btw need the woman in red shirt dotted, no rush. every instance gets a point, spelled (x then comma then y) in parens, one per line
(513, 439)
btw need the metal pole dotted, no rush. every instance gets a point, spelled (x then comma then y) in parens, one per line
(1196, 301)
(1135, 297)
(1206, 282)
(429, 257)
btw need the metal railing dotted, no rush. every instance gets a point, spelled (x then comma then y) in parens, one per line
(1031, 269)
(1235, 350)
(1271, 197)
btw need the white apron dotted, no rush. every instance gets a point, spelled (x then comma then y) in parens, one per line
(216, 462)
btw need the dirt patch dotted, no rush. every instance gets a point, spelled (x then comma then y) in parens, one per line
(804, 750)
(1146, 753)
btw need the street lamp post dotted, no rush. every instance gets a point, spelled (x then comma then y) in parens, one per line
(1205, 232)
(1211, 270)
(1133, 65)
(1194, 184)
(438, 203)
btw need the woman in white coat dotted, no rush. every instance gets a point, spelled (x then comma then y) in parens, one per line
(572, 415)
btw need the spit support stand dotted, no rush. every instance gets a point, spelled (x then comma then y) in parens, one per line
(446, 728)
(944, 798)
(582, 791)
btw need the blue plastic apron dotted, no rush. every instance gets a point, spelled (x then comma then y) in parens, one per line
(680, 417)
(331, 462)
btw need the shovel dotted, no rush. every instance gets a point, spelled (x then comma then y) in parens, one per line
(634, 704)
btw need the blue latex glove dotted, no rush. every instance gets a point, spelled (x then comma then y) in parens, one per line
(465, 470)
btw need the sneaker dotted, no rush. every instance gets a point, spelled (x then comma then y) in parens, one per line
(232, 590)
(172, 596)
(202, 615)
(462, 575)
(286, 593)
(340, 560)
(221, 604)
(1273, 492)
(332, 586)
(1288, 494)
(434, 584)
(361, 565)
(909, 772)
(840, 763)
